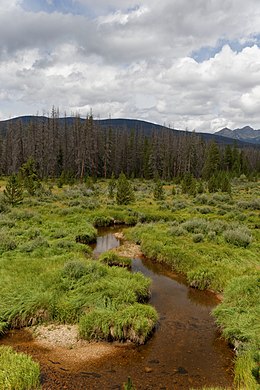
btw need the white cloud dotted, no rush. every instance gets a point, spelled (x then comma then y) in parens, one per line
(133, 59)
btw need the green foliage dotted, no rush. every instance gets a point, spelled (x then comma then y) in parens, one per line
(29, 177)
(240, 236)
(129, 384)
(212, 162)
(112, 186)
(13, 192)
(124, 194)
(198, 237)
(112, 259)
(18, 371)
(158, 192)
(135, 323)
(201, 278)
(88, 235)
(74, 269)
(238, 316)
(189, 184)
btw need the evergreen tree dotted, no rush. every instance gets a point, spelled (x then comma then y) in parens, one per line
(13, 192)
(212, 162)
(225, 184)
(111, 186)
(213, 184)
(124, 194)
(158, 192)
(189, 184)
(228, 158)
(29, 176)
(200, 188)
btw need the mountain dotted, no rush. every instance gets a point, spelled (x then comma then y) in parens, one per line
(223, 137)
(246, 134)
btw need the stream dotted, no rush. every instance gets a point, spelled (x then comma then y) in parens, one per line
(186, 351)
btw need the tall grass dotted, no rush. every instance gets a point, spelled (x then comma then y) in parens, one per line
(18, 371)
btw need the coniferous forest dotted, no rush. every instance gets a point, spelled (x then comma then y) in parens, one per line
(79, 148)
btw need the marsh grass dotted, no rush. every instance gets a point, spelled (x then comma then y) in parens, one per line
(45, 275)
(135, 323)
(18, 371)
(112, 259)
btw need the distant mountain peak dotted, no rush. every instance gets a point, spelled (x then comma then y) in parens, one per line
(246, 133)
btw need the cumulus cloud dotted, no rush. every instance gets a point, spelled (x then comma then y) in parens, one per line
(133, 60)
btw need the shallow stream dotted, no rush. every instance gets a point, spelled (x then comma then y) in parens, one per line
(186, 350)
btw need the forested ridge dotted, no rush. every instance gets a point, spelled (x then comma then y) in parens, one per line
(79, 148)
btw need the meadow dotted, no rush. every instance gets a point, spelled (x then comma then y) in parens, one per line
(47, 273)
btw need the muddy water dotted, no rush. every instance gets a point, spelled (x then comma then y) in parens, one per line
(185, 352)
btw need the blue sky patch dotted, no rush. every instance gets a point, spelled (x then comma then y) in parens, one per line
(207, 52)
(62, 6)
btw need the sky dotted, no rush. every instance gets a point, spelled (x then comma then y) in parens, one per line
(187, 64)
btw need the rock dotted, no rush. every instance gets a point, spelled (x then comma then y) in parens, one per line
(148, 370)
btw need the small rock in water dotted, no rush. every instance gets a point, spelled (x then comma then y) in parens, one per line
(182, 371)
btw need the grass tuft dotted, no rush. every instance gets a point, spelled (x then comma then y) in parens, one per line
(18, 371)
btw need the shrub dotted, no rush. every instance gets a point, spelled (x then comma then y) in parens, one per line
(178, 205)
(198, 237)
(177, 231)
(240, 237)
(202, 199)
(253, 204)
(38, 242)
(195, 225)
(6, 243)
(18, 371)
(204, 210)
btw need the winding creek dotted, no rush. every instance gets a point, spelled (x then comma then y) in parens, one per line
(185, 352)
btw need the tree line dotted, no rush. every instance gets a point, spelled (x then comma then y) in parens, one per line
(79, 149)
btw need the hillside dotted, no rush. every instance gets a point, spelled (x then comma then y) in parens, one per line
(221, 137)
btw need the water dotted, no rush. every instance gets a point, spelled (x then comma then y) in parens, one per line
(186, 350)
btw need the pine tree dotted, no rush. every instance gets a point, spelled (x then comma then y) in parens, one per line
(29, 176)
(14, 191)
(158, 192)
(213, 184)
(111, 186)
(124, 194)
(212, 162)
(225, 184)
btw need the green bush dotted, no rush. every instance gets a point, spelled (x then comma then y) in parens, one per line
(240, 237)
(18, 371)
(195, 225)
(6, 243)
(199, 237)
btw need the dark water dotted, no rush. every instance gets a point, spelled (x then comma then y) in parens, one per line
(185, 352)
